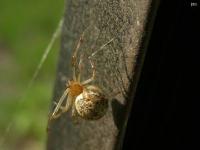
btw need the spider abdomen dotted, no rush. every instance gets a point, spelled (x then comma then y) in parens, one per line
(91, 104)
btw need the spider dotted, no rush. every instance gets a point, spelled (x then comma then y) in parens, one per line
(85, 100)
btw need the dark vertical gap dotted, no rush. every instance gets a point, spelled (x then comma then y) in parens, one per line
(165, 110)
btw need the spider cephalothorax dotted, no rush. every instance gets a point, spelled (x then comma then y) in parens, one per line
(75, 88)
(86, 101)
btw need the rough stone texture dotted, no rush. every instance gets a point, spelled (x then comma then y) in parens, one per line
(118, 67)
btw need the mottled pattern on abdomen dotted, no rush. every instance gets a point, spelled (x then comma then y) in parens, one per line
(91, 104)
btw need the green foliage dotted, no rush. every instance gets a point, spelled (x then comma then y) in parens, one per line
(26, 28)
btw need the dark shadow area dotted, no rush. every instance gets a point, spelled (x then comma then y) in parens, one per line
(165, 113)
(118, 111)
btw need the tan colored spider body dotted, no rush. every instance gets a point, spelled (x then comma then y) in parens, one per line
(91, 104)
(86, 101)
(75, 88)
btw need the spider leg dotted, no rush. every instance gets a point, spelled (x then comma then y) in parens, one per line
(58, 106)
(101, 48)
(68, 104)
(93, 74)
(74, 56)
(80, 67)
(75, 114)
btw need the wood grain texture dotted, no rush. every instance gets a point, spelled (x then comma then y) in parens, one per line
(118, 66)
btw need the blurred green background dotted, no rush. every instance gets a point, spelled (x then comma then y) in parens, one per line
(26, 27)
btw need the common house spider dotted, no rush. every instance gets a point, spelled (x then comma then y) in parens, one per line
(85, 100)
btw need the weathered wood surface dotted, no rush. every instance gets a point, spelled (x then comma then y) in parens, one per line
(118, 67)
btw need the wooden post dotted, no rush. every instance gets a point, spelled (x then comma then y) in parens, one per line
(117, 64)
